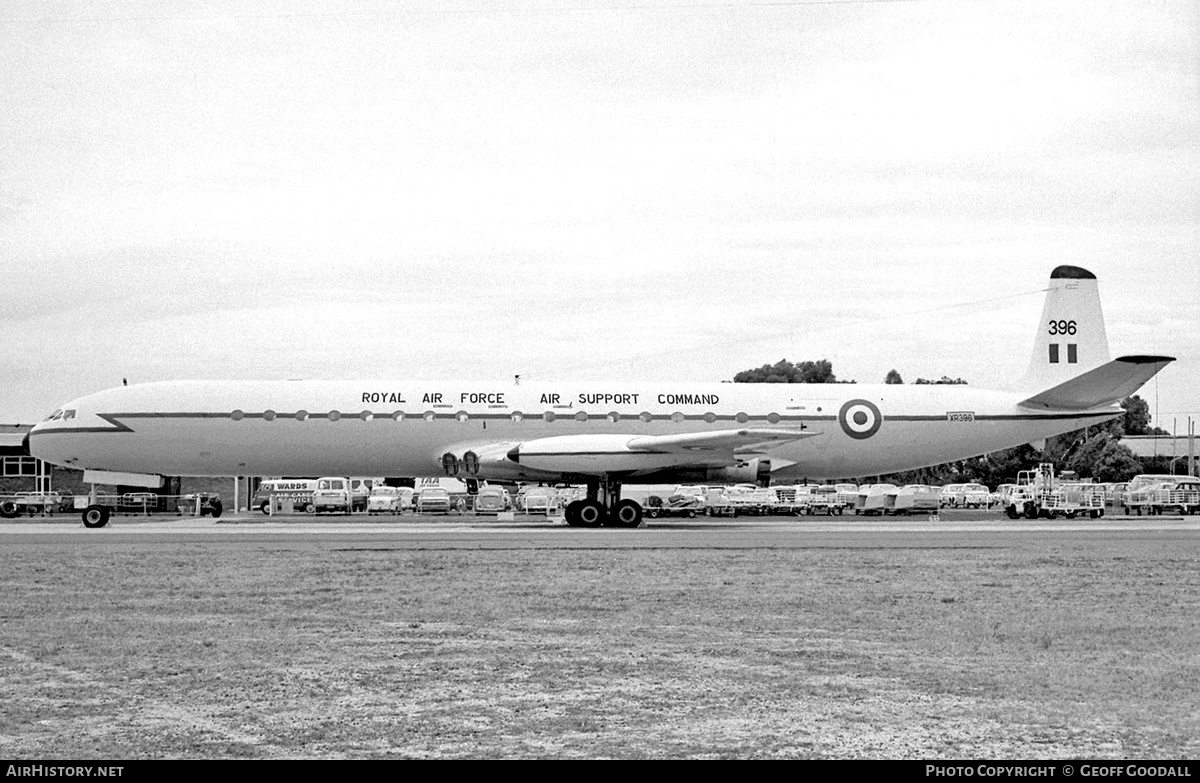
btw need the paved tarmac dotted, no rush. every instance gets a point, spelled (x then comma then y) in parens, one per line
(949, 529)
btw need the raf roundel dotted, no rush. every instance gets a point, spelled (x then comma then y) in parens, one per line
(860, 419)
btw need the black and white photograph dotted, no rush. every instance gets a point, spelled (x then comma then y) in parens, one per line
(599, 379)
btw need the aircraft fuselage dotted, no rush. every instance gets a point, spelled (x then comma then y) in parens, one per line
(389, 428)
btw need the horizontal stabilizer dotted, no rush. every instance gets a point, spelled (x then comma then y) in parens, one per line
(722, 440)
(1105, 385)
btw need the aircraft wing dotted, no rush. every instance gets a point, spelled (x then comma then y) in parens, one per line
(722, 440)
(596, 454)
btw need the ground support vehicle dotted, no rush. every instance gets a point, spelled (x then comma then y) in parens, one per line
(912, 499)
(31, 503)
(872, 498)
(98, 509)
(676, 506)
(209, 504)
(1019, 502)
(780, 500)
(1139, 501)
(141, 503)
(716, 503)
(823, 500)
(538, 500)
(691, 490)
(801, 499)
(751, 500)
(787, 499)
(1070, 500)
(1026, 496)
(1181, 496)
(1114, 494)
(1136, 497)
(272, 494)
(847, 495)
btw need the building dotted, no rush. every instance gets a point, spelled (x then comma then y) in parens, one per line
(1175, 448)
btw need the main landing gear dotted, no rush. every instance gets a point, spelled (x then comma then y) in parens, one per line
(603, 506)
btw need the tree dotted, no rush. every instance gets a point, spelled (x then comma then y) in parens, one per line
(945, 379)
(1116, 463)
(1137, 415)
(1087, 452)
(784, 371)
(893, 377)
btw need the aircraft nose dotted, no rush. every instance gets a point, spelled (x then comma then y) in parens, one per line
(33, 445)
(49, 447)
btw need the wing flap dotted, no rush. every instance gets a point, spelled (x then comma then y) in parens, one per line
(721, 440)
(1104, 385)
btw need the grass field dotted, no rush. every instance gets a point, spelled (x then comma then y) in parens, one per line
(311, 650)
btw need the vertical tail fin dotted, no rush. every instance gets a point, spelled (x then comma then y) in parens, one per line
(1070, 338)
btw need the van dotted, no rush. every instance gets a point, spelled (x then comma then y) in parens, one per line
(298, 491)
(338, 493)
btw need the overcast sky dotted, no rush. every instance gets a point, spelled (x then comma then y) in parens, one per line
(592, 190)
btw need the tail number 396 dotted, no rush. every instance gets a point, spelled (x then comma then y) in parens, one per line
(1062, 327)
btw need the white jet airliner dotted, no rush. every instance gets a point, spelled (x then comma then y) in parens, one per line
(599, 434)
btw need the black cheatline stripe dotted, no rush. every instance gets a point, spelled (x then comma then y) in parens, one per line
(356, 415)
(1006, 417)
(119, 426)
